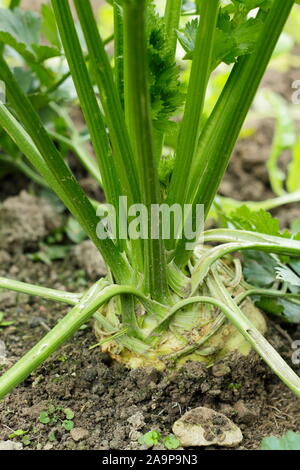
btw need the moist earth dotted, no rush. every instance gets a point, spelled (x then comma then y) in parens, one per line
(114, 406)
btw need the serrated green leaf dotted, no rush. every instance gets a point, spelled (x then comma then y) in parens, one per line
(236, 33)
(257, 221)
(187, 37)
(21, 30)
(43, 52)
(165, 169)
(259, 268)
(164, 85)
(285, 309)
(252, 4)
(165, 88)
(291, 311)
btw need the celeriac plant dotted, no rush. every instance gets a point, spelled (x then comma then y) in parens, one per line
(165, 298)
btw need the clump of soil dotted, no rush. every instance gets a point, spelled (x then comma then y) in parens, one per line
(25, 220)
(88, 258)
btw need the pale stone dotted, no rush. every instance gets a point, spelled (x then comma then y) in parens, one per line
(10, 445)
(48, 446)
(205, 427)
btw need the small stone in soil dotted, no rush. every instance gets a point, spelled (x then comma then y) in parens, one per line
(220, 370)
(33, 322)
(9, 445)
(3, 351)
(48, 446)
(78, 434)
(205, 427)
(8, 299)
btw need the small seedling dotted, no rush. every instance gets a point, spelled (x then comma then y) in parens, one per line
(171, 442)
(150, 439)
(55, 414)
(51, 409)
(21, 434)
(234, 386)
(17, 433)
(67, 425)
(44, 417)
(153, 438)
(62, 358)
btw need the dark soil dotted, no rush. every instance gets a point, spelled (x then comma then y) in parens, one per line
(113, 406)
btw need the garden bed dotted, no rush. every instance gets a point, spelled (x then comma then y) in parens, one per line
(114, 405)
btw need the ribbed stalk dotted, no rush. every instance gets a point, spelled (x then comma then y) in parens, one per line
(44, 292)
(172, 17)
(253, 336)
(118, 47)
(190, 127)
(114, 115)
(87, 99)
(110, 100)
(66, 75)
(223, 127)
(53, 168)
(138, 118)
